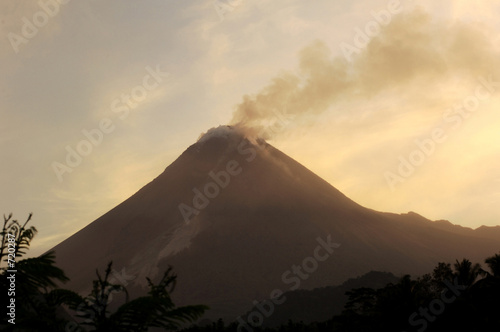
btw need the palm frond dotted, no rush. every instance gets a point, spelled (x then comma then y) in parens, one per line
(40, 272)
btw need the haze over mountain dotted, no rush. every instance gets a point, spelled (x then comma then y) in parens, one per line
(320, 304)
(237, 219)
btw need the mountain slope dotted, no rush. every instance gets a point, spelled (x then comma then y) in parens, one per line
(234, 215)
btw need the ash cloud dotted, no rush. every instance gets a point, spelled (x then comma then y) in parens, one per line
(412, 52)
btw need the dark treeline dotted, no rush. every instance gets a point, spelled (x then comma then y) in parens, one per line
(458, 297)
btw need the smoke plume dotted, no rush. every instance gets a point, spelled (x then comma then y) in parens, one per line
(411, 51)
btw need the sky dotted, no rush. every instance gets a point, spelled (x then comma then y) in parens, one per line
(395, 103)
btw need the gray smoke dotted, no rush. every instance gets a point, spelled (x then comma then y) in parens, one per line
(410, 51)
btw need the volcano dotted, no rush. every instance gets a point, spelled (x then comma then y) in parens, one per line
(238, 221)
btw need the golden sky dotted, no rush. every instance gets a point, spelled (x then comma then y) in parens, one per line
(395, 104)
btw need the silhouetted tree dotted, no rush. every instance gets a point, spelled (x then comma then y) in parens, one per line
(494, 265)
(15, 236)
(154, 310)
(37, 300)
(442, 272)
(484, 302)
(39, 303)
(466, 272)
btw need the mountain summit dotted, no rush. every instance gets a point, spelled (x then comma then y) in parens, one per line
(225, 131)
(240, 221)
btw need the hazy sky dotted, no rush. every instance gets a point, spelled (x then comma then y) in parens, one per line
(151, 76)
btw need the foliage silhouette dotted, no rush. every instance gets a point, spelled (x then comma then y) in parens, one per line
(40, 304)
(154, 310)
(494, 265)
